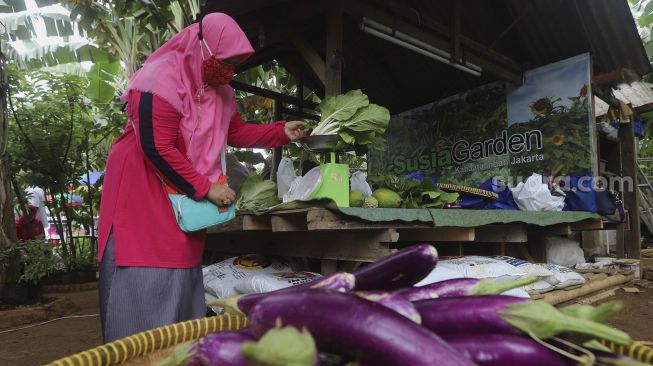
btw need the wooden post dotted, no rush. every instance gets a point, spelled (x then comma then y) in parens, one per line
(632, 235)
(333, 78)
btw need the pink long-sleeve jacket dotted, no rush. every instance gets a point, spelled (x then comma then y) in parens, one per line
(135, 206)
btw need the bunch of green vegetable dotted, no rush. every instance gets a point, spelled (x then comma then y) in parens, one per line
(354, 119)
(415, 194)
(257, 194)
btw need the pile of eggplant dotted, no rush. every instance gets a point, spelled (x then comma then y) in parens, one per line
(374, 316)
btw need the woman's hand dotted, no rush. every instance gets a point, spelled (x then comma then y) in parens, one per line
(295, 130)
(221, 195)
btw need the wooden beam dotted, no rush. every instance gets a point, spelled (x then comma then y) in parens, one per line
(365, 246)
(270, 94)
(632, 237)
(333, 77)
(282, 223)
(492, 62)
(611, 77)
(508, 233)
(323, 219)
(456, 46)
(437, 234)
(243, 223)
(587, 225)
(312, 58)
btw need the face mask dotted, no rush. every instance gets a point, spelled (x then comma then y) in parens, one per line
(215, 72)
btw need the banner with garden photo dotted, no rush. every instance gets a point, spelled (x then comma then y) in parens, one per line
(499, 131)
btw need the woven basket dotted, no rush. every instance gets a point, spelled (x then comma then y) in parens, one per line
(636, 350)
(144, 344)
(468, 190)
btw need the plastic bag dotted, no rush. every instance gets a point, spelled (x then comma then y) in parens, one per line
(273, 281)
(302, 187)
(220, 278)
(285, 176)
(358, 182)
(563, 251)
(535, 196)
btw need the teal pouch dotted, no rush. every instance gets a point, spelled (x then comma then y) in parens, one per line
(194, 215)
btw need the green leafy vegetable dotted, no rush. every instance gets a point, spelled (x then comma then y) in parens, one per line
(354, 119)
(544, 321)
(600, 314)
(257, 194)
(282, 347)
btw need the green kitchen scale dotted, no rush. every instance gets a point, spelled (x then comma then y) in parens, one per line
(329, 179)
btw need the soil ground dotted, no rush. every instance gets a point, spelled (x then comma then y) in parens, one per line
(41, 344)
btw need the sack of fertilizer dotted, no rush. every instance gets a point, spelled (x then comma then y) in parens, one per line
(531, 269)
(267, 282)
(481, 267)
(562, 276)
(220, 278)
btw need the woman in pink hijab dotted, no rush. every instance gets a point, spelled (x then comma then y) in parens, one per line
(182, 114)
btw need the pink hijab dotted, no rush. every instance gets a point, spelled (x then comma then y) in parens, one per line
(173, 72)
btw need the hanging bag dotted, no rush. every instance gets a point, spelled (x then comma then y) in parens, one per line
(192, 215)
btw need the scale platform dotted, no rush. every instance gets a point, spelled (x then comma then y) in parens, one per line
(324, 144)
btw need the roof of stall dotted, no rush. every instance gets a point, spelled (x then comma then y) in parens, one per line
(504, 37)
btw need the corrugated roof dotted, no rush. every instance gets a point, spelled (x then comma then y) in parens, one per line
(638, 94)
(530, 32)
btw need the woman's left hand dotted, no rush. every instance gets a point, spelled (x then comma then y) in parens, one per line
(295, 130)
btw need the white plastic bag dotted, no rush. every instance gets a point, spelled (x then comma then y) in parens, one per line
(220, 278)
(562, 277)
(358, 182)
(267, 282)
(535, 196)
(563, 251)
(302, 187)
(285, 176)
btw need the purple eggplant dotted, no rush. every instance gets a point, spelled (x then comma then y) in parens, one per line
(348, 325)
(503, 349)
(501, 314)
(467, 314)
(223, 348)
(462, 287)
(404, 268)
(241, 304)
(393, 302)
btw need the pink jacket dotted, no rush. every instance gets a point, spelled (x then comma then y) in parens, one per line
(134, 204)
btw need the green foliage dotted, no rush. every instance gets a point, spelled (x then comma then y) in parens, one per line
(56, 136)
(415, 194)
(132, 30)
(36, 258)
(257, 194)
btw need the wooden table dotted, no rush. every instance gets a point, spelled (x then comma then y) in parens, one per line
(331, 236)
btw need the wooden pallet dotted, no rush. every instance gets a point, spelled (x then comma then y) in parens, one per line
(330, 235)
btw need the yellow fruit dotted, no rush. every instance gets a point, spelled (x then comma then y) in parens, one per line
(387, 198)
(356, 198)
